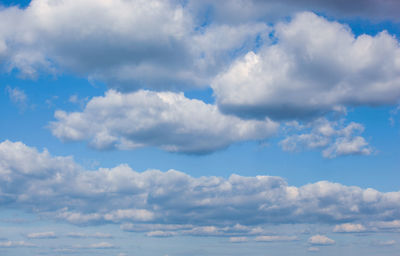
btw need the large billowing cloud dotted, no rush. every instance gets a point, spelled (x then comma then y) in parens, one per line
(168, 202)
(153, 44)
(166, 120)
(128, 44)
(315, 66)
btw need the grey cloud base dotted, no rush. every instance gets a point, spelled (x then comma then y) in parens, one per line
(59, 188)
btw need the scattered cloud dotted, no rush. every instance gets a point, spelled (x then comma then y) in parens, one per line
(320, 240)
(384, 243)
(238, 239)
(102, 245)
(349, 228)
(160, 233)
(17, 96)
(85, 235)
(333, 137)
(393, 225)
(14, 244)
(165, 119)
(42, 235)
(313, 249)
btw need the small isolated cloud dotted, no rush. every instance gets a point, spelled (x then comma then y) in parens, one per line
(160, 233)
(102, 245)
(239, 239)
(14, 244)
(41, 235)
(313, 249)
(332, 137)
(384, 243)
(17, 96)
(85, 235)
(320, 240)
(349, 228)
(159, 119)
(73, 98)
(275, 238)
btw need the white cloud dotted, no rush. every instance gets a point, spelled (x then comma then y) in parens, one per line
(101, 245)
(166, 120)
(385, 243)
(41, 235)
(334, 138)
(387, 225)
(161, 201)
(84, 235)
(128, 44)
(129, 214)
(160, 233)
(17, 96)
(313, 249)
(349, 228)
(238, 239)
(320, 240)
(12, 244)
(316, 66)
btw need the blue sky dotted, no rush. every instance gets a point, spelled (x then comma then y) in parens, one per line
(199, 128)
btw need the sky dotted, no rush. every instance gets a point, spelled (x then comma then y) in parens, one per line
(197, 127)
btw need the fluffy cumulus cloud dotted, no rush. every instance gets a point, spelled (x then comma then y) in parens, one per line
(154, 44)
(128, 44)
(316, 66)
(166, 120)
(172, 202)
(333, 137)
(349, 228)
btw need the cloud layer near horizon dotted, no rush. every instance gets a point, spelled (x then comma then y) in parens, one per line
(59, 188)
